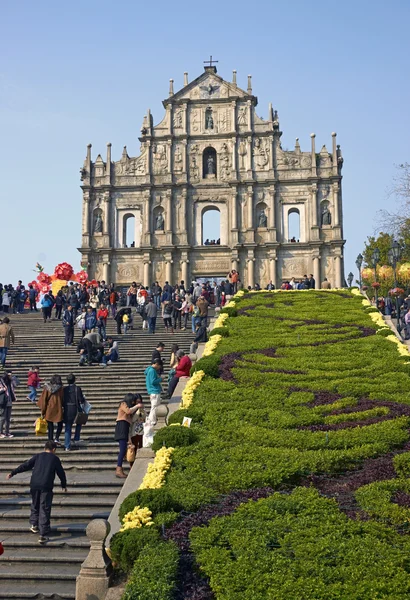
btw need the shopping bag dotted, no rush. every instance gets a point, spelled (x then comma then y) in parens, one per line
(81, 418)
(1, 549)
(87, 407)
(41, 426)
(130, 454)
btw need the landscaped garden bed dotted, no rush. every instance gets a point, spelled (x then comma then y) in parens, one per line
(293, 482)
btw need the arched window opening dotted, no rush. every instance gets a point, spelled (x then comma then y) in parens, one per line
(209, 163)
(211, 227)
(294, 225)
(128, 235)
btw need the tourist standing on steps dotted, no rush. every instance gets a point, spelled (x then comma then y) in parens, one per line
(137, 426)
(73, 403)
(45, 467)
(51, 406)
(32, 295)
(182, 369)
(59, 302)
(46, 307)
(8, 384)
(153, 382)
(6, 338)
(122, 429)
(151, 311)
(68, 324)
(157, 355)
(33, 382)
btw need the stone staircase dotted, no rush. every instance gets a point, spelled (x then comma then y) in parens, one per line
(28, 570)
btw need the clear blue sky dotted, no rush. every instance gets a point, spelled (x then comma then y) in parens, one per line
(79, 72)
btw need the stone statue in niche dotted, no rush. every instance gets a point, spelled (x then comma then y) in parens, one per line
(242, 117)
(209, 121)
(159, 222)
(98, 224)
(263, 219)
(326, 215)
(210, 163)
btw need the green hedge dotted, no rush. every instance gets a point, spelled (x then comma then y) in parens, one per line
(223, 331)
(173, 437)
(154, 574)
(126, 546)
(157, 500)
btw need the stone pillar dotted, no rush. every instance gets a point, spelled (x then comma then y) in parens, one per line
(184, 155)
(168, 271)
(249, 156)
(94, 578)
(108, 163)
(169, 116)
(334, 155)
(233, 115)
(234, 264)
(234, 207)
(184, 118)
(147, 263)
(272, 208)
(272, 270)
(313, 154)
(249, 105)
(146, 234)
(106, 272)
(168, 215)
(106, 213)
(86, 213)
(251, 271)
(270, 152)
(335, 190)
(338, 272)
(234, 162)
(313, 191)
(316, 271)
(250, 206)
(185, 272)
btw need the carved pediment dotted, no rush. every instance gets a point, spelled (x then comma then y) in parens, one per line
(208, 86)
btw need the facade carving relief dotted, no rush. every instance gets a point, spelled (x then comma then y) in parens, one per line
(212, 152)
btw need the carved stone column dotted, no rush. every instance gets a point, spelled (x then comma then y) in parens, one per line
(313, 193)
(234, 224)
(184, 267)
(335, 190)
(147, 220)
(184, 156)
(168, 214)
(338, 272)
(184, 118)
(249, 155)
(272, 270)
(249, 106)
(86, 219)
(147, 263)
(233, 116)
(316, 271)
(106, 213)
(183, 225)
(168, 271)
(249, 195)
(106, 271)
(251, 269)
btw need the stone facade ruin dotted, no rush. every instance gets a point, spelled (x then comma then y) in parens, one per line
(212, 151)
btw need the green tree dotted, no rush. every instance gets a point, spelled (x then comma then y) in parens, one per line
(383, 242)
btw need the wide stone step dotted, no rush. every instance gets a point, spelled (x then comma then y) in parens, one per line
(25, 542)
(49, 553)
(104, 502)
(39, 571)
(58, 513)
(29, 589)
(58, 526)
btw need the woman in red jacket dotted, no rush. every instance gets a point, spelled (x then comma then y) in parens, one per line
(102, 316)
(183, 369)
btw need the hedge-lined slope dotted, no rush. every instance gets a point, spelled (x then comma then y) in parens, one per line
(299, 390)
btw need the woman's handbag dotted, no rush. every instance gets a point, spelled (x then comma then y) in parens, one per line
(41, 426)
(130, 454)
(81, 418)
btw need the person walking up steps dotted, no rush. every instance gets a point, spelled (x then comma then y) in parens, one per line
(153, 383)
(122, 429)
(8, 384)
(33, 383)
(44, 466)
(73, 403)
(51, 406)
(6, 337)
(68, 324)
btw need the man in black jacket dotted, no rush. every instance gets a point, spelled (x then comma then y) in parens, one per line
(73, 403)
(45, 466)
(68, 324)
(156, 356)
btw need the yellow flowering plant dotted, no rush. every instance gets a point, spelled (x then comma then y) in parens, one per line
(154, 478)
(137, 518)
(188, 392)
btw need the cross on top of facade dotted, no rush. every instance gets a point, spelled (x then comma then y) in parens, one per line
(210, 61)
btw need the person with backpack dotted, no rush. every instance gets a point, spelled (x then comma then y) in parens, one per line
(46, 307)
(44, 466)
(73, 405)
(167, 310)
(32, 295)
(68, 324)
(8, 384)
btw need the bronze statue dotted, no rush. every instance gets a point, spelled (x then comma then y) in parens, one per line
(326, 215)
(98, 224)
(263, 219)
(159, 222)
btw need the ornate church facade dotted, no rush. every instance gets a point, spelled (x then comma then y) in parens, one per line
(143, 216)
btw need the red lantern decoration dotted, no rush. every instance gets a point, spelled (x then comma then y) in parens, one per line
(81, 277)
(43, 278)
(64, 271)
